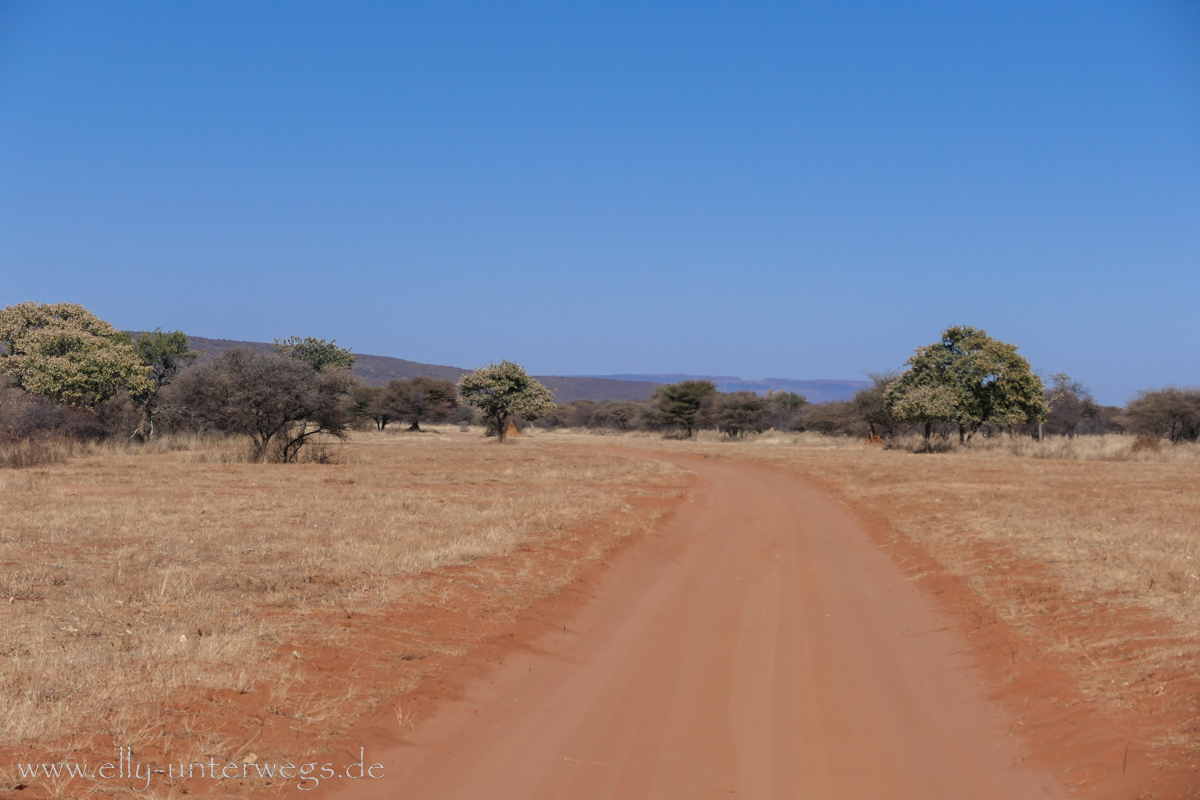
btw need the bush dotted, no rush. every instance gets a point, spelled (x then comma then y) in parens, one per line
(1172, 413)
(273, 399)
(836, 418)
(735, 414)
(417, 400)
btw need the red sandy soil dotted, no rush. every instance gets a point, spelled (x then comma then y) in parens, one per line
(761, 644)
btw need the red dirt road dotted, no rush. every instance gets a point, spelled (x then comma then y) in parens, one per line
(757, 646)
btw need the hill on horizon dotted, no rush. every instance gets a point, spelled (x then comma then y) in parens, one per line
(378, 370)
(816, 391)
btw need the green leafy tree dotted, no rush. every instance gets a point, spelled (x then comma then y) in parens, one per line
(66, 353)
(970, 379)
(789, 400)
(319, 354)
(678, 403)
(164, 354)
(419, 399)
(787, 410)
(503, 391)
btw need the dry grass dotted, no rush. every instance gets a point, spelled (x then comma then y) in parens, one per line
(1111, 447)
(131, 573)
(34, 453)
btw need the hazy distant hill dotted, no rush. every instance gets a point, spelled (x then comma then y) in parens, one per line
(818, 391)
(378, 370)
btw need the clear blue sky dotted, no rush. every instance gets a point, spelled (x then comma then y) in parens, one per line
(804, 190)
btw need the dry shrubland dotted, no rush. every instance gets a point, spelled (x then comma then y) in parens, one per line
(133, 572)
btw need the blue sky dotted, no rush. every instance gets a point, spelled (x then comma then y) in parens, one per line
(803, 190)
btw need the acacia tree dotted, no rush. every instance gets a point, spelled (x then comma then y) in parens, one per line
(678, 403)
(735, 414)
(365, 404)
(503, 391)
(268, 397)
(970, 379)
(319, 354)
(419, 398)
(66, 353)
(164, 354)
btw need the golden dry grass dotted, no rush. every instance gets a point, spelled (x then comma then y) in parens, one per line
(132, 573)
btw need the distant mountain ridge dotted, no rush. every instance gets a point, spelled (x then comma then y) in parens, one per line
(378, 370)
(816, 391)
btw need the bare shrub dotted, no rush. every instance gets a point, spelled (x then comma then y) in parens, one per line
(1172, 413)
(836, 418)
(280, 403)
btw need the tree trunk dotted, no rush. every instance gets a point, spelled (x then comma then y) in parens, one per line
(962, 435)
(415, 427)
(928, 432)
(500, 420)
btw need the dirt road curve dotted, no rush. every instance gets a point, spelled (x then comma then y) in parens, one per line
(759, 646)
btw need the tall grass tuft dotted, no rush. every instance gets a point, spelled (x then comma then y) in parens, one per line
(35, 452)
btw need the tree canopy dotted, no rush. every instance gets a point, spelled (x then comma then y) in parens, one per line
(65, 352)
(164, 354)
(319, 354)
(503, 391)
(679, 402)
(419, 399)
(970, 379)
(735, 414)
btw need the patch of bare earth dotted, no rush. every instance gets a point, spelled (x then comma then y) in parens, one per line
(1075, 574)
(199, 611)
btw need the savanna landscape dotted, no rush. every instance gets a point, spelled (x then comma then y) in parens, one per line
(600, 401)
(253, 560)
